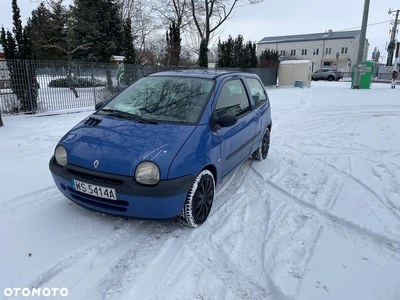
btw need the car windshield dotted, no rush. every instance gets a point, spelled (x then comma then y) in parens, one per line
(163, 99)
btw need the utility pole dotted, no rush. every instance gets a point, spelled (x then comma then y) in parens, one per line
(392, 43)
(361, 47)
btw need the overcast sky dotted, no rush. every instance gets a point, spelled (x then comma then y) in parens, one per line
(283, 17)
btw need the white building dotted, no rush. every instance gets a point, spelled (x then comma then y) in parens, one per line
(320, 48)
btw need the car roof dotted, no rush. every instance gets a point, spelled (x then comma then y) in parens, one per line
(199, 73)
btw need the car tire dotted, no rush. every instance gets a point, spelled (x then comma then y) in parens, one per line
(331, 78)
(262, 152)
(312, 78)
(199, 200)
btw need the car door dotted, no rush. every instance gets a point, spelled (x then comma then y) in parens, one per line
(259, 97)
(318, 74)
(236, 141)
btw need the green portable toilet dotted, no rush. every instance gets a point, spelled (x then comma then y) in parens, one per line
(366, 72)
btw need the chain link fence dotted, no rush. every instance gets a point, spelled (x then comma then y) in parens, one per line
(40, 86)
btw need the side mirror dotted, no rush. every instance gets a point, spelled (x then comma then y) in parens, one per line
(227, 120)
(98, 105)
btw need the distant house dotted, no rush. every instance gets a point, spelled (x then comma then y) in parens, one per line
(320, 48)
(117, 59)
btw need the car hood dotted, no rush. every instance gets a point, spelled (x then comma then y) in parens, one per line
(120, 145)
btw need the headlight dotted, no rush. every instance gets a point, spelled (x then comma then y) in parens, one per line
(60, 155)
(147, 173)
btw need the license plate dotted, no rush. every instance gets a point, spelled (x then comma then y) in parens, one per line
(94, 190)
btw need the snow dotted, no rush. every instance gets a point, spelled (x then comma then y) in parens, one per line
(319, 219)
(295, 62)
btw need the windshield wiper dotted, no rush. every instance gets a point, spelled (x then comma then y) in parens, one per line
(126, 115)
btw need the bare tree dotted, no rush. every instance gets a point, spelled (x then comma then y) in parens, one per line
(178, 11)
(156, 52)
(209, 15)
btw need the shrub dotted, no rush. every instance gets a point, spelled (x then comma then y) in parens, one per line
(78, 82)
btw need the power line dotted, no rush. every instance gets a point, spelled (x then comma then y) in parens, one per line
(367, 25)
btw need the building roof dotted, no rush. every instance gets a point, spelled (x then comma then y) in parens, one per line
(117, 58)
(329, 35)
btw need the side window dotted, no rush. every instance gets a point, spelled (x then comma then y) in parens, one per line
(233, 99)
(257, 91)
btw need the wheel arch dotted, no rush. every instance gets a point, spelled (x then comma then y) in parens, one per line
(213, 171)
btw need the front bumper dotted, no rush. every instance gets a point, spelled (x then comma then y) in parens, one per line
(162, 201)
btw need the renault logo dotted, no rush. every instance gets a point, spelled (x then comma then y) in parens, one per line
(96, 163)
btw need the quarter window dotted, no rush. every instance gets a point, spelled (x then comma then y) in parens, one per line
(257, 91)
(233, 99)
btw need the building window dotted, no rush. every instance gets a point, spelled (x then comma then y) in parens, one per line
(328, 51)
(316, 52)
(344, 50)
(282, 53)
(304, 52)
(292, 52)
(327, 64)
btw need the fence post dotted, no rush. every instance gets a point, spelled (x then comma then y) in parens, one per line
(28, 83)
(93, 83)
(1, 121)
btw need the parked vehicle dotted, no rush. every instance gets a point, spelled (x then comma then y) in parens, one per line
(327, 74)
(158, 149)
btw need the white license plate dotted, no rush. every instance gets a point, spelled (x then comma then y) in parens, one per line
(94, 190)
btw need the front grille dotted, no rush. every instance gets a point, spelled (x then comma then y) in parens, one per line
(96, 178)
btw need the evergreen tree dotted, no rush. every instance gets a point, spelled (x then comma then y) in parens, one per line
(225, 53)
(39, 23)
(237, 52)
(253, 55)
(129, 53)
(173, 45)
(98, 29)
(269, 59)
(51, 31)
(18, 52)
(203, 58)
(233, 53)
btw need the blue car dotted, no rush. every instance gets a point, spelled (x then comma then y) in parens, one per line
(158, 149)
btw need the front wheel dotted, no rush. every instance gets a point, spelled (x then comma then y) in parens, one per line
(262, 152)
(199, 200)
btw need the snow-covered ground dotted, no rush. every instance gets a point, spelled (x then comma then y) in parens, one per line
(319, 219)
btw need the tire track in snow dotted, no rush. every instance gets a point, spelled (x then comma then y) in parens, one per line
(331, 220)
(156, 271)
(29, 201)
(80, 256)
(350, 179)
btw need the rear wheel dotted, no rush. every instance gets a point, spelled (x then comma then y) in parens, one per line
(331, 78)
(262, 152)
(199, 200)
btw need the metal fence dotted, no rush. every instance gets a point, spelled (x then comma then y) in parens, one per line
(39, 86)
